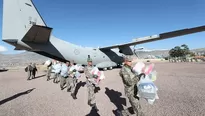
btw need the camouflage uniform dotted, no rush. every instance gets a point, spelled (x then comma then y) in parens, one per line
(63, 75)
(90, 85)
(29, 71)
(34, 70)
(49, 68)
(71, 84)
(57, 68)
(130, 80)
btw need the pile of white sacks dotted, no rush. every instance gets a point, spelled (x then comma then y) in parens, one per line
(146, 87)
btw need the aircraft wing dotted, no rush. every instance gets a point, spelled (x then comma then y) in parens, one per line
(158, 37)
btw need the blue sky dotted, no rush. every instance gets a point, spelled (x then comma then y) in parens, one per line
(96, 23)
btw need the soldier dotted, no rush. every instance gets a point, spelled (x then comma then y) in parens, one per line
(29, 69)
(34, 70)
(130, 79)
(72, 80)
(57, 68)
(49, 68)
(64, 74)
(90, 84)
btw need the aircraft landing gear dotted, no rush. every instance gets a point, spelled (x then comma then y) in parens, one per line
(104, 69)
(110, 68)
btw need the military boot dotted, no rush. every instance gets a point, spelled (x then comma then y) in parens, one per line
(95, 107)
(89, 103)
(68, 90)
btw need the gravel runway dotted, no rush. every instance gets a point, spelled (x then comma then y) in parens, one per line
(181, 93)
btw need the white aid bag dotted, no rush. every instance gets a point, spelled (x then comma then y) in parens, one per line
(147, 90)
(72, 68)
(76, 73)
(153, 75)
(47, 63)
(57, 68)
(98, 75)
(138, 68)
(146, 87)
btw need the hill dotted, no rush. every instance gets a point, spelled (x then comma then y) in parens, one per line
(22, 59)
(163, 53)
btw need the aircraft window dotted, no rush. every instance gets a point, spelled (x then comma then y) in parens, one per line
(103, 56)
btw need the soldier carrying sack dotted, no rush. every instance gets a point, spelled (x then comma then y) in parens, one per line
(90, 86)
(130, 79)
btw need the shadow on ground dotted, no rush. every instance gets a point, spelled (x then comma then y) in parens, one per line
(39, 76)
(80, 84)
(93, 113)
(116, 99)
(16, 96)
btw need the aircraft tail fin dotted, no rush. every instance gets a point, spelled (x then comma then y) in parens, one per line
(19, 16)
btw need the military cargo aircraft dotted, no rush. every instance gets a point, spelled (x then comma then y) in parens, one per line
(24, 28)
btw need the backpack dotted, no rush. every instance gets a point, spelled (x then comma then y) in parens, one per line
(26, 69)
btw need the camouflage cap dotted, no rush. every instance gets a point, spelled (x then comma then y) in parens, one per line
(128, 58)
(89, 60)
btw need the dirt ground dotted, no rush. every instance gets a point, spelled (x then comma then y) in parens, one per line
(181, 93)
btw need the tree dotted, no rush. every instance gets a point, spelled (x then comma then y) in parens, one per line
(185, 50)
(172, 53)
(179, 51)
(192, 54)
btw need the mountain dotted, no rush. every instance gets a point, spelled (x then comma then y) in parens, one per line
(22, 59)
(162, 53)
(152, 54)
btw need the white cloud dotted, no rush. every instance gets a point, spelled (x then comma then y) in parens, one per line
(3, 49)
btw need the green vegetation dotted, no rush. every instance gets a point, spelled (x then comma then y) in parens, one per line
(166, 58)
(180, 51)
(192, 54)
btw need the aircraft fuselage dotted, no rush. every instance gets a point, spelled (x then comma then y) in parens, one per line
(64, 51)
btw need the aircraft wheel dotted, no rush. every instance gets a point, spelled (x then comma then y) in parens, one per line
(104, 69)
(110, 68)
